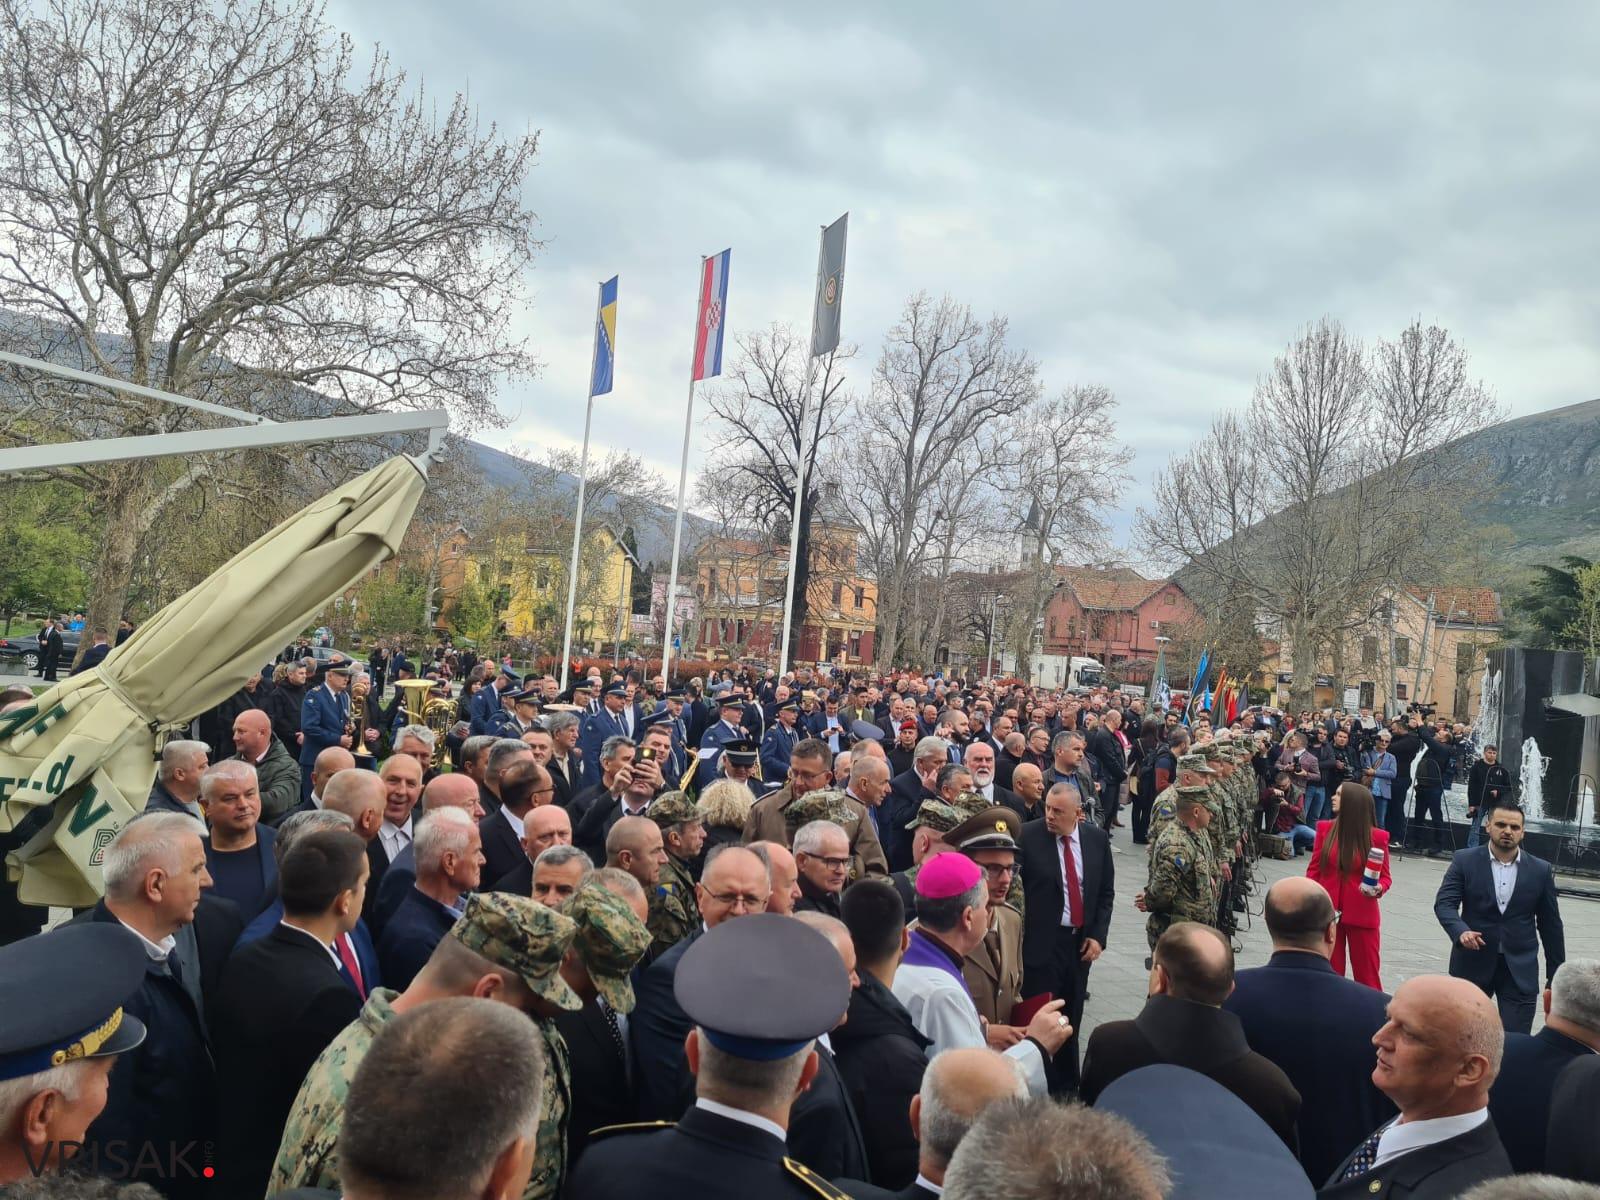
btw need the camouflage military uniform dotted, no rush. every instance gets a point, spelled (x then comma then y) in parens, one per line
(1184, 881)
(308, 1155)
(674, 911)
(555, 1102)
(510, 931)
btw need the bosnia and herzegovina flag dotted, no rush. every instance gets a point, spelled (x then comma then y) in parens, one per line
(605, 339)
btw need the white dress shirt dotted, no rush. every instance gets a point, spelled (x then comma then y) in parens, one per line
(395, 837)
(1402, 1137)
(924, 1182)
(744, 1118)
(158, 951)
(1505, 879)
(1077, 861)
(512, 820)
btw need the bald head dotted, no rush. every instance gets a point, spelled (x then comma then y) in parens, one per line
(1192, 962)
(1027, 781)
(785, 874)
(328, 764)
(452, 790)
(956, 1087)
(1300, 915)
(545, 827)
(1440, 1049)
(359, 795)
(252, 734)
(637, 835)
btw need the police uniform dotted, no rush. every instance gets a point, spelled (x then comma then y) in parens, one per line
(511, 931)
(727, 729)
(674, 911)
(760, 988)
(779, 744)
(61, 997)
(600, 725)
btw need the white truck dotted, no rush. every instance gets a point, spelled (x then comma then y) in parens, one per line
(1061, 670)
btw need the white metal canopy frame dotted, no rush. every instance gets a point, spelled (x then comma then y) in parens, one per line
(253, 430)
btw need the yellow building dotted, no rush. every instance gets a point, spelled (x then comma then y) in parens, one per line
(528, 583)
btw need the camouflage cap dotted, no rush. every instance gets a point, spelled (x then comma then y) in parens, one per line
(1212, 750)
(673, 808)
(937, 815)
(611, 940)
(521, 935)
(970, 804)
(1195, 763)
(829, 804)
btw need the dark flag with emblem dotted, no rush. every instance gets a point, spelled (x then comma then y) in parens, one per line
(830, 288)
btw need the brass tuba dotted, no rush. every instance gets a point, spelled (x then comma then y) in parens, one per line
(422, 707)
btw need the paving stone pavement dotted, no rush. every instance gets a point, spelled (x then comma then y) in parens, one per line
(1413, 942)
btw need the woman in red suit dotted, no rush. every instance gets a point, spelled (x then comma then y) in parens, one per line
(1338, 862)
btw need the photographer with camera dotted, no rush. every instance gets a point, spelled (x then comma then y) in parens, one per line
(1379, 770)
(1341, 765)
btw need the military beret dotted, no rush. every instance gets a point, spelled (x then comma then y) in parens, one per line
(946, 875)
(61, 997)
(995, 828)
(825, 804)
(610, 940)
(672, 808)
(520, 935)
(936, 815)
(762, 987)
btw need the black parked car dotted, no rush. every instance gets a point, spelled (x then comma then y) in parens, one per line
(26, 647)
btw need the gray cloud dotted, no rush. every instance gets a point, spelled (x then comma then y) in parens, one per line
(1159, 196)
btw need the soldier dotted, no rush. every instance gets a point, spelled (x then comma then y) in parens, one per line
(773, 819)
(1184, 883)
(1192, 770)
(934, 819)
(505, 948)
(608, 943)
(993, 969)
(674, 913)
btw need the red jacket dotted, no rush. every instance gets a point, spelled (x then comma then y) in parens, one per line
(1355, 908)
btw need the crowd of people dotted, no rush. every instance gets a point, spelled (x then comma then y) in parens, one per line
(818, 935)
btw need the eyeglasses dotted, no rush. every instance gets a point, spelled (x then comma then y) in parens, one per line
(738, 900)
(996, 870)
(833, 864)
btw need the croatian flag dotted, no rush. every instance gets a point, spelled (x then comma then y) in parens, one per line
(713, 316)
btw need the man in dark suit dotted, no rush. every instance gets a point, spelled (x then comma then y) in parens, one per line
(734, 883)
(324, 720)
(1437, 1057)
(448, 864)
(979, 759)
(1571, 1149)
(239, 856)
(824, 1129)
(49, 649)
(907, 791)
(1519, 1101)
(1296, 992)
(1497, 902)
(565, 767)
(165, 1092)
(522, 783)
(1068, 887)
(1110, 764)
(282, 1000)
(1183, 1024)
(95, 654)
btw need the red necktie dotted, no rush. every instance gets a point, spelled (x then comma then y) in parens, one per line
(1074, 888)
(347, 956)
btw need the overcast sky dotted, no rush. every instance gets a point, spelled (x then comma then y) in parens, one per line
(1159, 195)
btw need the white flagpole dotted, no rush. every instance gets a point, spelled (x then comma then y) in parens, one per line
(583, 481)
(800, 471)
(683, 485)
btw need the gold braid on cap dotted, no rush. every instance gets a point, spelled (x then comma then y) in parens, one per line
(89, 1042)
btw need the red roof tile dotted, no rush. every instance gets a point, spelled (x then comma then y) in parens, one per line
(1461, 605)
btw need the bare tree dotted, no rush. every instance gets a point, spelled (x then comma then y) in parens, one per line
(219, 201)
(942, 377)
(1069, 469)
(759, 439)
(1335, 488)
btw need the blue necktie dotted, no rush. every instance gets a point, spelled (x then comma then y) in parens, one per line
(1361, 1161)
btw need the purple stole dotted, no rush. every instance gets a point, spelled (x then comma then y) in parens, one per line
(923, 953)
